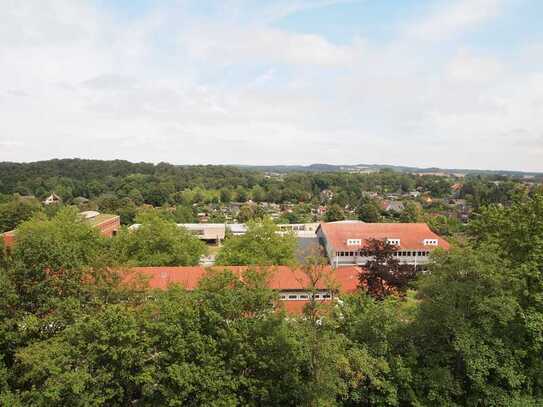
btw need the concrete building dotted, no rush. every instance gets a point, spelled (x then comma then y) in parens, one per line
(344, 241)
(209, 232)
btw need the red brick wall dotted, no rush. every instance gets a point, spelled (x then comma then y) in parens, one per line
(110, 227)
(8, 240)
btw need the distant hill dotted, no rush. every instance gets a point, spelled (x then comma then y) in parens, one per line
(361, 168)
(97, 169)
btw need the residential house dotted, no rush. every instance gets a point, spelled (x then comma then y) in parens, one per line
(52, 199)
(392, 206)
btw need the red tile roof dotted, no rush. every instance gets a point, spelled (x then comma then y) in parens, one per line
(163, 277)
(282, 278)
(411, 235)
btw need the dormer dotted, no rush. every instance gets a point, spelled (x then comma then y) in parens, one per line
(354, 242)
(430, 242)
(395, 242)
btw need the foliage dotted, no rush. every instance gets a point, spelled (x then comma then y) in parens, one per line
(468, 344)
(52, 256)
(445, 225)
(17, 210)
(369, 210)
(157, 241)
(334, 213)
(261, 245)
(384, 274)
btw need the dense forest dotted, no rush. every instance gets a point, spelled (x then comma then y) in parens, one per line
(469, 332)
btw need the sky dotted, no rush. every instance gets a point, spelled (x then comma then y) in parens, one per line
(445, 83)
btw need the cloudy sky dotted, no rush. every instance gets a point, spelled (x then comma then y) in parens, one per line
(449, 83)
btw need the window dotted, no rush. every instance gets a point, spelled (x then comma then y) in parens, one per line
(293, 297)
(326, 296)
(303, 297)
(317, 296)
(430, 242)
(283, 297)
(352, 242)
(395, 242)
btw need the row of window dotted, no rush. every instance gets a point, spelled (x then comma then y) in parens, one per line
(396, 254)
(426, 242)
(304, 296)
(411, 254)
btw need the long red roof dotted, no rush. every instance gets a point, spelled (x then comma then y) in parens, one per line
(411, 235)
(282, 278)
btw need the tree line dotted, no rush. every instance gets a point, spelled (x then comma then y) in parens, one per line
(169, 184)
(183, 192)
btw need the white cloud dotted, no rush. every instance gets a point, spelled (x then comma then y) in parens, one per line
(466, 67)
(173, 87)
(453, 17)
(232, 45)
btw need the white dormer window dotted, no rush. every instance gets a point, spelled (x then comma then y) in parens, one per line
(354, 242)
(395, 242)
(430, 242)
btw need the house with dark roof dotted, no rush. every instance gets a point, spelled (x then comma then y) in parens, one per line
(344, 241)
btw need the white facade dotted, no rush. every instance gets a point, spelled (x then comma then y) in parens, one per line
(352, 256)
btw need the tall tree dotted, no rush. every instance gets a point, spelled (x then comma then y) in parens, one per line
(157, 242)
(261, 245)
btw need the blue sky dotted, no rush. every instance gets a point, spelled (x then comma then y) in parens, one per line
(455, 83)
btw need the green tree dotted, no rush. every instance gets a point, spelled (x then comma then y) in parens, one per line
(369, 211)
(184, 214)
(52, 256)
(17, 210)
(261, 245)
(157, 242)
(468, 343)
(334, 213)
(412, 213)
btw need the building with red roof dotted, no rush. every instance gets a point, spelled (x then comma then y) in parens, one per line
(344, 241)
(293, 285)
